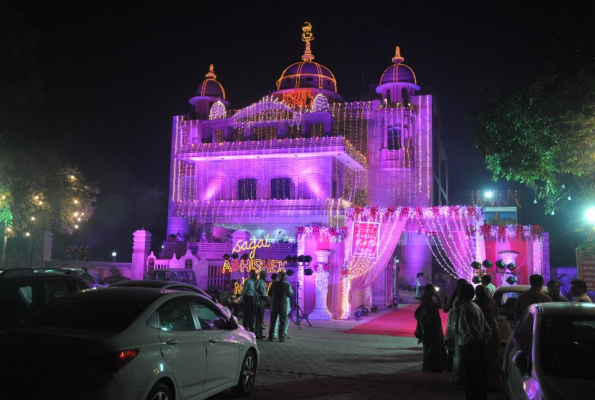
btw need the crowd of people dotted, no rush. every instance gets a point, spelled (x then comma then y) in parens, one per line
(471, 344)
(250, 304)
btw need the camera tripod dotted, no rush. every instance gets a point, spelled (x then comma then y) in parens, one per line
(299, 313)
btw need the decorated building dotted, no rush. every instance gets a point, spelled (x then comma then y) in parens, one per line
(303, 172)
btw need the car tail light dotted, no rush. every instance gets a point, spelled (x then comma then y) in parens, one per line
(103, 364)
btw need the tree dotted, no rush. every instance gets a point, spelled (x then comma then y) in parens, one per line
(39, 191)
(126, 204)
(543, 135)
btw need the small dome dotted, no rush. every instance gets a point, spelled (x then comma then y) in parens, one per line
(398, 72)
(210, 87)
(307, 74)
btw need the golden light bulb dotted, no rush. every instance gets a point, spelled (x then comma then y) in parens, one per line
(36, 197)
(41, 202)
(32, 218)
(76, 201)
(76, 227)
(27, 234)
(72, 177)
(76, 214)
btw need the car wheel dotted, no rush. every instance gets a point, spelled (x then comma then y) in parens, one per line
(160, 392)
(247, 375)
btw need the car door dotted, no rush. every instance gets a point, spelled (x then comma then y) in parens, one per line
(223, 346)
(183, 346)
(521, 341)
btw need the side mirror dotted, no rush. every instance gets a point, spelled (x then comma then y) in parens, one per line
(520, 361)
(233, 322)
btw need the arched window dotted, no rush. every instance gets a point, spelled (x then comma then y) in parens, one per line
(393, 137)
(281, 188)
(247, 189)
(188, 263)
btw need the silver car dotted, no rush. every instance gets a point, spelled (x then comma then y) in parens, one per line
(550, 353)
(127, 343)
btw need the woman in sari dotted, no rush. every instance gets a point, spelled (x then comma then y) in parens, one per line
(452, 307)
(430, 330)
(489, 307)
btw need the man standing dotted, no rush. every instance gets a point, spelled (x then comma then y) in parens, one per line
(531, 296)
(579, 291)
(474, 332)
(486, 281)
(248, 299)
(280, 292)
(260, 298)
(553, 287)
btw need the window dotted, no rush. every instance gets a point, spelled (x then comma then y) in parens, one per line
(238, 135)
(294, 131)
(188, 263)
(281, 188)
(207, 137)
(405, 96)
(209, 317)
(176, 316)
(309, 79)
(219, 135)
(317, 130)
(247, 189)
(334, 189)
(265, 133)
(55, 290)
(393, 138)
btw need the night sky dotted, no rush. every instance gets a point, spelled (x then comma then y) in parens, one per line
(116, 73)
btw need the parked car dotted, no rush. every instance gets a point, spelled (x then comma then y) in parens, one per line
(550, 354)
(186, 287)
(173, 275)
(90, 276)
(23, 290)
(505, 297)
(127, 343)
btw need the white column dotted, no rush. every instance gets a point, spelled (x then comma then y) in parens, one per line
(321, 311)
(141, 249)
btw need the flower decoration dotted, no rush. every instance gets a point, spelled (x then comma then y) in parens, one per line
(390, 211)
(511, 280)
(501, 231)
(475, 265)
(500, 264)
(404, 212)
(511, 267)
(487, 264)
(345, 272)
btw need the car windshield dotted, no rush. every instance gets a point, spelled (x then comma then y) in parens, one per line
(87, 313)
(568, 346)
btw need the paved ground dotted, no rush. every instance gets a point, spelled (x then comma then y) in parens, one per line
(321, 362)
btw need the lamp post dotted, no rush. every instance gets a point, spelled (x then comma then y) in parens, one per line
(114, 254)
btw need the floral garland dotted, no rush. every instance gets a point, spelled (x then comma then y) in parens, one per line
(502, 232)
(325, 266)
(322, 233)
(376, 213)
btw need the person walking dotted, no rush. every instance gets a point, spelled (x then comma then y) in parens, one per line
(280, 292)
(260, 299)
(553, 287)
(453, 308)
(489, 307)
(248, 299)
(430, 331)
(474, 332)
(531, 296)
(579, 291)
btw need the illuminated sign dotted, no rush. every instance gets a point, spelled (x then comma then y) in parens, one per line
(243, 245)
(239, 287)
(365, 239)
(271, 266)
(298, 98)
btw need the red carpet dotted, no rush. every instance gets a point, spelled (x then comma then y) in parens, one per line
(400, 322)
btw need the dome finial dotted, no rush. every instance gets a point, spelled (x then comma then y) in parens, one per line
(307, 37)
(397, 58)
(211, 74)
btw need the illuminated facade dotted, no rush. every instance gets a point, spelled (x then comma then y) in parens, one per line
(292, 164)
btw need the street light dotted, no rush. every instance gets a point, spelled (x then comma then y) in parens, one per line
(590, 214)
(489, 194)
(114, 254)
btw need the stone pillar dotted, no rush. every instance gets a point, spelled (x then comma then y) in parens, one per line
(141, 248)
(321, 312)
(44, 243)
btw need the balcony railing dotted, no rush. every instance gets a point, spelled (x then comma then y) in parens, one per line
(279, 146)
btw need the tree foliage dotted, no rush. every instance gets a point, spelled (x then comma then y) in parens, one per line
(40, 190)
(543, 135)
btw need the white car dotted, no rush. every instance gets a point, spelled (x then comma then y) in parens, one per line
(505, 297)
(550, 353)
(127, 343)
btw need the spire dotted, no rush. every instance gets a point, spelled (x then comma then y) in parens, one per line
(307, 37)
(211, 74)
(397, 58)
